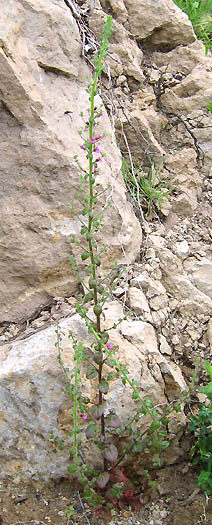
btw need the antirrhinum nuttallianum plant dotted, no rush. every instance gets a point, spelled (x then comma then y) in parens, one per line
(117, 443)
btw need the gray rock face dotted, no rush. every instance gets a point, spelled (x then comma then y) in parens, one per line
(43, 90)
(33, 402)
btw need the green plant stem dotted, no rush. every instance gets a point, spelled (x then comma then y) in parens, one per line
(75, 413)
(90, 221)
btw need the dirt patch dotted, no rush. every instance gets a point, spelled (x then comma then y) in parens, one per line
(178, 502)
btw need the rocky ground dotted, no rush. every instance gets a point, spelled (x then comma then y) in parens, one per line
(182, 337)
(178, 501)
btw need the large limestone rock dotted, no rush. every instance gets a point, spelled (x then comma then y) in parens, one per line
(43, 90)
(193, 296)
(33, 403)
(194, 92)
(159, 21)
(188, 57)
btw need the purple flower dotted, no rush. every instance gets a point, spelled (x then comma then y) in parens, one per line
(95, 170)
(99, 137)
(100, 115)
(99, 159)
(96, 149)
(82, 147)
(83, 415)
(109, 346)
(93, 140)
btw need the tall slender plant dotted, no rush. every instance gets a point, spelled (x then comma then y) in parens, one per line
(117, 443)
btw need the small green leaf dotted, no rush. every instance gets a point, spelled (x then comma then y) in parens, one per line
(88, 297)
(177, 407)
(104, 336)
(91, 373)
(137, 447)
(92, 283)
(97, 261)
(86, 400)
(154, 426)
(164, 445)
(207, 390)
(98, 358)
(84, 211)
(70, 511)
(108, 362)
(97, 411)
(135, 395)
(103, 386)
(207, 365)
(90, 431)
(72, 469)
(164, 421)
(97, 309)
(210, 107)
(85, 256)
(100, 289)
(83, 230)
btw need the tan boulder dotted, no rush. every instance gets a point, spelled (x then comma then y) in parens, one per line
(203, 279)
(194, 92)
(161, 21)
(182, 58)
(43, 91)
(33, 400)
(140, 135)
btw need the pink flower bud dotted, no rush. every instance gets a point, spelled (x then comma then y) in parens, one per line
(82, 147)
(99, 159)
(93, 140)
(96, 149)
(83, 415)
(109, 346)
(99, 137)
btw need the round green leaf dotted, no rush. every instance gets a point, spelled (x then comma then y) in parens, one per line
(103, 386)
(90, 431)
(91, 373)
(97, 411)
(85, 256)
(111, 453)
(97, 309)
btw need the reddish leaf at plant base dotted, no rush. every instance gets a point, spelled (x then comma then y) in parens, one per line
(129, 494)
(103, 479)
(104, 513)
(117, 476)
(121, 504)
(136, 504)
(111, 453)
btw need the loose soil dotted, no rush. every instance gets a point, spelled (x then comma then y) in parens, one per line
(178, 502)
